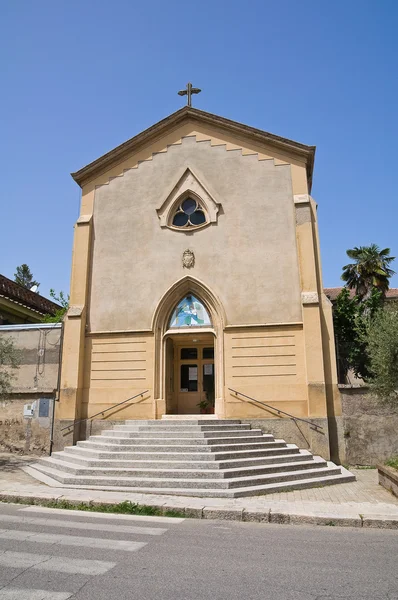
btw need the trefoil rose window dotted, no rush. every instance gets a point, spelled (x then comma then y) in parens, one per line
(189, 214)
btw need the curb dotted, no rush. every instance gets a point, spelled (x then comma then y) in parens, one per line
(226, 514)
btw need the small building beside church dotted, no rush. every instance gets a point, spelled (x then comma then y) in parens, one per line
(18, 305)
(196, 282)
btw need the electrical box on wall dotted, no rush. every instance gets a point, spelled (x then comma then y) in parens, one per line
(28, 410)
(44, 407)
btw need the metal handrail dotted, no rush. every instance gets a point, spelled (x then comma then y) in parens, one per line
(278, 410)
(102, 412)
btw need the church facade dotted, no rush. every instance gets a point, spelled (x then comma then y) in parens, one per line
(196, 284)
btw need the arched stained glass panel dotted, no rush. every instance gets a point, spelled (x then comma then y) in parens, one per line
(190, 312)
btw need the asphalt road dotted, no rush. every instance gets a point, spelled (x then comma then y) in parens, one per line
(48, 554)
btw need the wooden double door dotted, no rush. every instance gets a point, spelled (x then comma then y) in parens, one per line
(194, 377)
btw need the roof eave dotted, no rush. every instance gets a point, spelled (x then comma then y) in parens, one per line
(118, 154)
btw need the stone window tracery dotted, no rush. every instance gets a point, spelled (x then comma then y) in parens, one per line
(190, 205)
(189, 213)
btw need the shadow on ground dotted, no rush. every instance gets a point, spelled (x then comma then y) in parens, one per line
(10, 463)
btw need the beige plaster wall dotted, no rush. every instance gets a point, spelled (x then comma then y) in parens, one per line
(267, 364)
(116, 368)
(39, 357)
(36, 378)
(248, 259)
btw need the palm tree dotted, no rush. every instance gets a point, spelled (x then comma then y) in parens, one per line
(370, 270)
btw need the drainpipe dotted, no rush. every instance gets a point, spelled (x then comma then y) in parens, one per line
(56, 397)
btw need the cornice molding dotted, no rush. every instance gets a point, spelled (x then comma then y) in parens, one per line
(173, 121)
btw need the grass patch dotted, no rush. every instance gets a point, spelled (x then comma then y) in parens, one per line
(122, 508)
(364, 467)
(392, 462)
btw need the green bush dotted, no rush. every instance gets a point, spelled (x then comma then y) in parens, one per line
(382, 348)
(393, 462)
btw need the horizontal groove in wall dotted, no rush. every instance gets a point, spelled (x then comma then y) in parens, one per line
(125, 360)
(117, 351)
(262, 355)
(262, 337)
(121, 379)
(263, 346)
(267, 375)
(257, 366)
(114, 370)
(114, 361)
(114, 343)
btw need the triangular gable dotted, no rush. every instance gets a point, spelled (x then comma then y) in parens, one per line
(205, 126)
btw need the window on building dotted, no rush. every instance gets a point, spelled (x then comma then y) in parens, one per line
(189, 214)
(190, 312)
(189, 378)
(189, 353)
(208, 352)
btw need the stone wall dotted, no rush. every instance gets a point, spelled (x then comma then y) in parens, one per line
(297, 432)
(370, 427)
(26, 414)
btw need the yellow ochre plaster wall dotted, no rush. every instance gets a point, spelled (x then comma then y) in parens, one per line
(287, 362)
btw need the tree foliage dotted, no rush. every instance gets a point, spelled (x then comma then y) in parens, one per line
(24, 277)
(369, 270)
(352, 318)
(382, 348)
(9, 362)
(61, 299)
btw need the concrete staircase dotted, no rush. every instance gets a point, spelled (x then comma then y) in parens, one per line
(202, 457)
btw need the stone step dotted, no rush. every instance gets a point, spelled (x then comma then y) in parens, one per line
(184, 420)
(178, 441)
(186, 448)
(199, 435)
(139, 484)
(83, 460)
(100, 451)
(329, 479)
(258, 490)
(165, 427)
(192, 419)
(188, 456)
(188, 473)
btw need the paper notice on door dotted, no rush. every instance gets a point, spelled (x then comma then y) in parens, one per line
(193, 373)
(208, 370)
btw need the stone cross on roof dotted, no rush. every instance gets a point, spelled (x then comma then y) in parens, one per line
(188, 92)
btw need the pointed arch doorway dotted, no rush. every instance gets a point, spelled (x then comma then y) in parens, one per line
(188, 327)
(190, 374)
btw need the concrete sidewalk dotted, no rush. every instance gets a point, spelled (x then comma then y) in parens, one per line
(362, 503)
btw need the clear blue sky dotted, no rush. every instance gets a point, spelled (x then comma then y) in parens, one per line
(80, 77)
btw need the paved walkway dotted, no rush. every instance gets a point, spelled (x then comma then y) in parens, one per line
(363, 503)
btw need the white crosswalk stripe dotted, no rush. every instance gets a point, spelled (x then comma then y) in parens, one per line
(44, 562)
(82, 525)
(93, 515)
(70, 540)
(42, 519)
(24, 594)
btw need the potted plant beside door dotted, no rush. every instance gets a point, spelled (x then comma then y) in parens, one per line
(206, 406)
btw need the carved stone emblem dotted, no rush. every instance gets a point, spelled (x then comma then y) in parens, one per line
(188, 259)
